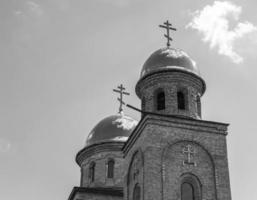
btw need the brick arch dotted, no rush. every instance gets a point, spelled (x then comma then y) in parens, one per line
(160, 105)
(173, 168)
(188, 141)
(130, 184)
(194, 181)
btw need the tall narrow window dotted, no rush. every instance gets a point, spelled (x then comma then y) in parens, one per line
(110, 168)
(143, 103)
(187, 191)
(136, 193)
(181, 100)
(160, 100)
(92, 172)
(198, 102)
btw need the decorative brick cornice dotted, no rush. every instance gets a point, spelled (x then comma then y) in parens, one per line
(113, 191)
(97, 148)
(176, 122)
(197, 80)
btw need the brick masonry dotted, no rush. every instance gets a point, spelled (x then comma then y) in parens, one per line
(101, 179)
(161, 141)
(171, 82)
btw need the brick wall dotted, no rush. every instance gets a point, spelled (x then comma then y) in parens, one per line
(171, 82)
(161, 140)
(101, 179)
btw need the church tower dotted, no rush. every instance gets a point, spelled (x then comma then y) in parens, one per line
(173, 154)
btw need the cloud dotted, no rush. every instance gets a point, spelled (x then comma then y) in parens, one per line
(35, 8)
(213, 23)
(125, 122)
(30, 8)
(4, 146)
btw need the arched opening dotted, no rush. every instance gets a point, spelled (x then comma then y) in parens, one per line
(187, 191)
(110, 168)
(143, 103)
(92, 172)
(134, 176)
(136, 192)
(198, 103)
(181, 100)
(190, 188)
(160, 100)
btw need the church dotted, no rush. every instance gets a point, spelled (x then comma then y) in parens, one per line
(171, 153)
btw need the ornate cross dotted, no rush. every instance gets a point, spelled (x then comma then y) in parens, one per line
(189, 151)
(121, 91)
(168, 27)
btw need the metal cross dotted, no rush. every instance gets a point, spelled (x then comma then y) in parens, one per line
(121, 91)
(168, 27)
(189, 150)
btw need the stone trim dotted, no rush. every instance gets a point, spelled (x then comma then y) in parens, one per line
(118, 191)
(164, 73)
(174, 121)
(97, 148)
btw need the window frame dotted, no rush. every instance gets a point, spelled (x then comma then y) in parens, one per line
(137, 189)
(160, 102)
(92, 172)
(108, 173)
(184, 92)
(193, 181)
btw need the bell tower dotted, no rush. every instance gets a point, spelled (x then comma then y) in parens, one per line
(170, 84)
(173, 154)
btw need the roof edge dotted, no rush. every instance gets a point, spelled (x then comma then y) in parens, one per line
(113, 191)
(87, 151)
(171, 118)
(169, 70)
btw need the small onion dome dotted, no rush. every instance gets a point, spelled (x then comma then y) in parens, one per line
(167, 59)
(115, 128)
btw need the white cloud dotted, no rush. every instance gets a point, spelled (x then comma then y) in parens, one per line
(213, 22)
(35, 8)
(4, 146)
(125, 122)
(30, 8)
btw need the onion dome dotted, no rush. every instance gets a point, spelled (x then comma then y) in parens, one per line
(167, 59)
(115, 128)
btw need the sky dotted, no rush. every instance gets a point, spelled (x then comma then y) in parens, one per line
(60, 60)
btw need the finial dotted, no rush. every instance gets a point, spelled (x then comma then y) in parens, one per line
(168, 27)
(121, 91)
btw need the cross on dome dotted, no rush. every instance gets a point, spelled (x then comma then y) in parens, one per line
(168, 27)
(121, 91)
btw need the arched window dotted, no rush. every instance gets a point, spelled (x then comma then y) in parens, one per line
(136, 192)
(190, 187)
(187, 191)
(181, 100)
(92, 172)
(198, 103)
(110, 168)
(160, 98)
(143, 102)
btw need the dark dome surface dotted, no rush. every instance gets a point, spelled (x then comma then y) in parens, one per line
(167, 59)
(113, 128)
